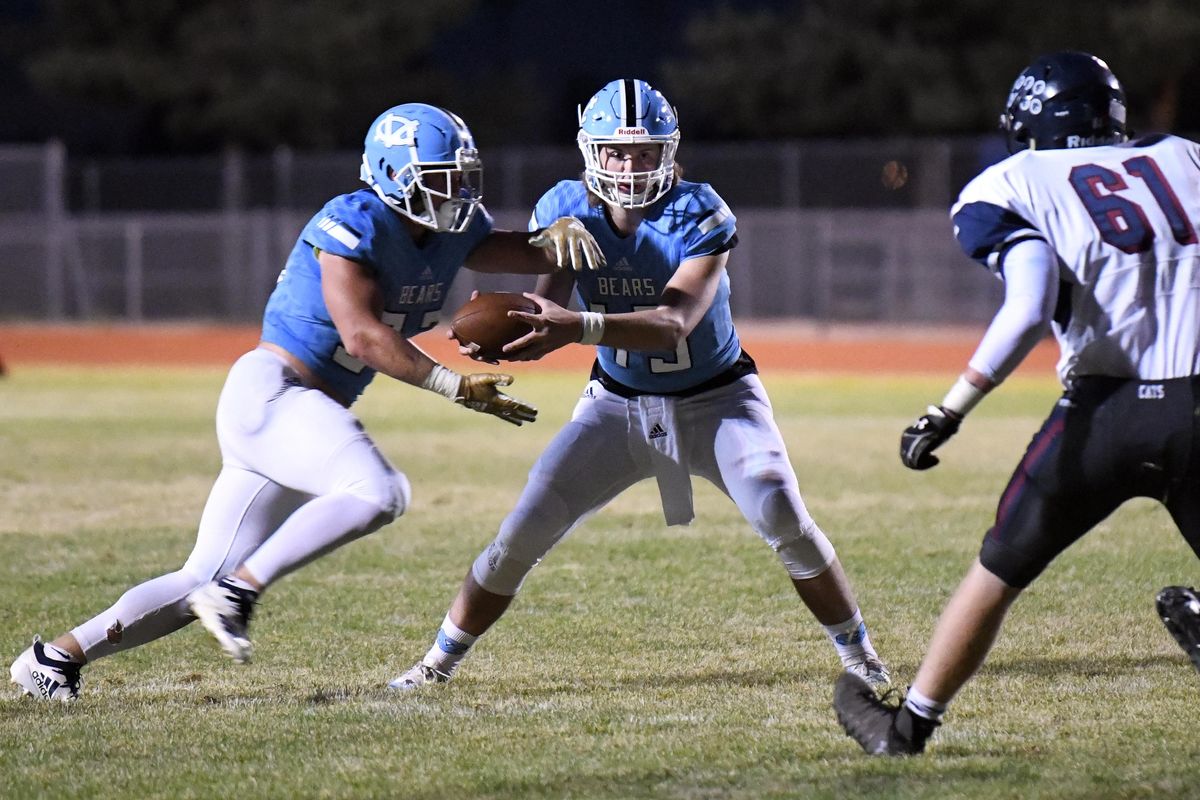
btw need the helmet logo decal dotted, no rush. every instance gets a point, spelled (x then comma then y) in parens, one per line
(396, 131)
(1029, 89)
(632, 132)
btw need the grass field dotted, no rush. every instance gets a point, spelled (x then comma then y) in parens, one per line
(639, 661)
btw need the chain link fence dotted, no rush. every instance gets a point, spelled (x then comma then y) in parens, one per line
(828, 231)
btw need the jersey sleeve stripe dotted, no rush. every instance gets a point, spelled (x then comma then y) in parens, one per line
(339, 231)
(984, 230)
(710, 220)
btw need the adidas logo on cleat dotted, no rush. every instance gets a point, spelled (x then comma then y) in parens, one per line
(46, 685)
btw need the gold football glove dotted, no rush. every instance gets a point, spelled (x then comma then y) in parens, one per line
(478, 392)
(570, 239)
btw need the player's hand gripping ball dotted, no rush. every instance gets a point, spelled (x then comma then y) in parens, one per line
(483, 322)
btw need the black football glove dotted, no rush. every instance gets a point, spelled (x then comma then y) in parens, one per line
(927, 434)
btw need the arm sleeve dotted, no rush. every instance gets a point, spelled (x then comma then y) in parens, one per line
(1030, 295)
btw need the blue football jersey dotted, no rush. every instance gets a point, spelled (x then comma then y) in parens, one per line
(414, 282)
(690, 221)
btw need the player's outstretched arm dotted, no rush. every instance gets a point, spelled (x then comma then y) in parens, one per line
(566, 242)
(1030, 270)
(355, 304)
(352, 297)
(570, 243)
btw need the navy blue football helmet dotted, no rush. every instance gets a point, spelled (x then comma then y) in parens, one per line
(421, 160)
(628, 112)
(1063, 100)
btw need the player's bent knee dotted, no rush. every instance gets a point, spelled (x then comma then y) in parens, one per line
(1014, 568)
(499, 571)
(401, 494)
(806, 557)
(784, 524)
(539, 521)
(779, 513)
(389, 491)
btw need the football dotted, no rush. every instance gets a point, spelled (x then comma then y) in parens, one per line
(484, 321)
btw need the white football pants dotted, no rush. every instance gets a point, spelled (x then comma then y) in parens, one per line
(299, 478)
(727, 435)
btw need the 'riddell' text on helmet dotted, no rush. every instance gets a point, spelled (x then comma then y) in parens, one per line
(628, 112)
(1064, 100)
(421, 160)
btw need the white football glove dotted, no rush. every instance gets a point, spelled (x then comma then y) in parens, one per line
(570, 239)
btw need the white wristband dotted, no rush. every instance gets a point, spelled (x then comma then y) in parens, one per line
(593, 327)
(962, 397)
(445, 382)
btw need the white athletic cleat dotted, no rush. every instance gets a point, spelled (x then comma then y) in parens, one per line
(420, 675)
(225, 608)
(42, 676)
(871, 670)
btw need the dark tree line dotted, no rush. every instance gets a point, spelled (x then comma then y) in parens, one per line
(197, 75)
(896, 67)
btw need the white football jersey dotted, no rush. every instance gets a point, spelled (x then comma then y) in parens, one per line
(1122, 220)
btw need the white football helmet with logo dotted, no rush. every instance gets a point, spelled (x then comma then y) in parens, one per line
(421, 160)
(628, 112)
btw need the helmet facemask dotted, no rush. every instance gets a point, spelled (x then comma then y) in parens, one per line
(628, 189)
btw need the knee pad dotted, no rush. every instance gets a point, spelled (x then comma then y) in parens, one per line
(780, 513)
(387, 489)
(785, 524)
(807, 557)
(498, 571)
(539, 521)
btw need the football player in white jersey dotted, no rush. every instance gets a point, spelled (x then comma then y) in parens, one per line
(300, 477)
(672, 392)
(1094, 237)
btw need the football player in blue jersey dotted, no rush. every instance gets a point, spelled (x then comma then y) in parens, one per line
(1094, 237)
(300, 477)
(672, 394)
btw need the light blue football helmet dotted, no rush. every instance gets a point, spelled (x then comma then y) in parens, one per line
(421, 160)
(627, 112)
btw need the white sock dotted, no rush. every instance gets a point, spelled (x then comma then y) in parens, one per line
(450, 647)
(850, 639)
(923, 706)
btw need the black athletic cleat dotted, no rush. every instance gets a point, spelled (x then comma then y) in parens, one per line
(1179, 607)
(224, 607)
(881, 729)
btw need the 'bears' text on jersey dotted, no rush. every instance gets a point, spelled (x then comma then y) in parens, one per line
(413, 280)
(690, 221)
